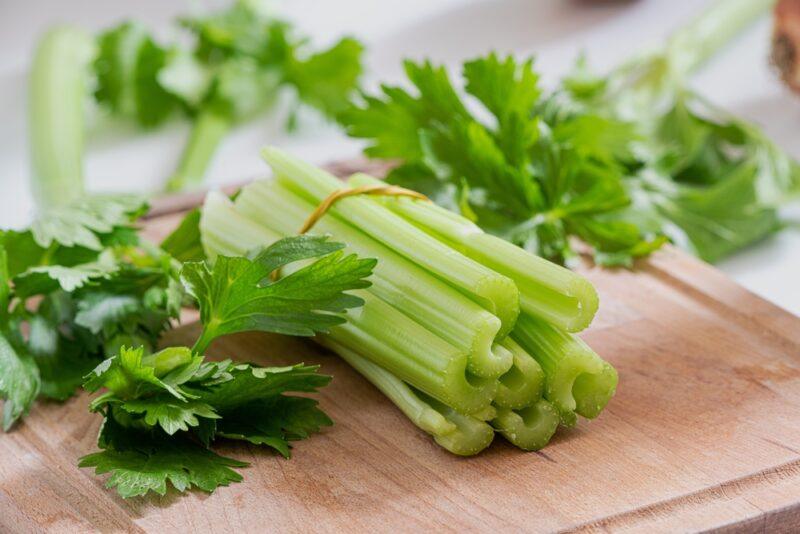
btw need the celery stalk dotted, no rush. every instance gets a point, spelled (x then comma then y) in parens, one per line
(546, 290)
(59, 85)
(493, 291)
(406, 349)
(440, 308)
(577, 380)
(460, 434)
(224, 231)
(694, 43)
(522, 385)
(208, 131)
(381, 332)
(529, 428)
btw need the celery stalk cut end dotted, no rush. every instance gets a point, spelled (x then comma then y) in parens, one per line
(460, 434)
(523, 383)
(593, 391)
(490, 363)
(530, 428)
(581, 383)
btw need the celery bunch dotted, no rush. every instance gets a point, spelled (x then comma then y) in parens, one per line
(466, 333)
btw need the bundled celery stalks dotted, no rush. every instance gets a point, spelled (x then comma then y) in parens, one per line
(441, 333)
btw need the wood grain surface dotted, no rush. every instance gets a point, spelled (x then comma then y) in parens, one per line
(704, 433)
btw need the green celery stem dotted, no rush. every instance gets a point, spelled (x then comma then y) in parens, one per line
(208, 130)
(577, 380)
(226, 232)
(530, 428)
(203, 342)
(523, 384)
(693, 44)
(388, 337)
(398, 281)
(58, 96)
(548, 291)
(459, 434)
(495, 292)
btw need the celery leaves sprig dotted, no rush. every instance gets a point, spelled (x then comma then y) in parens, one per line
(233, 68)
(615, 160)
(99, 297)
(164, 410)
(710, 181)
(170, 406)
(519, 175)
(71, 299)
(237, 294)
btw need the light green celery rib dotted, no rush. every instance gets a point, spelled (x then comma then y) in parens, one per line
(405, 348)
(546, 290)
(381, 332)
(398, 281)
(208, 130)
(224, 231)
(577, 380)
(493, 291)
(690, 46)
(523, 384)
(459, 434)
(59, 90)
(529, 428)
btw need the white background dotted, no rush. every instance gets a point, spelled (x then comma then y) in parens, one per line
(446, 31)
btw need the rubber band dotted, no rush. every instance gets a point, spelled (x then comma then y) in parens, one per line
(326, 204)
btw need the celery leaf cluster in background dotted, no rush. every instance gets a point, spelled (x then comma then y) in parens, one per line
(622, 162)
(237, 62)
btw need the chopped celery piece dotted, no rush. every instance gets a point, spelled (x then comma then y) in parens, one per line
(529, 428)
(522, 385)
(59, 88)
(493, 291)
(377, 329)
(577, 380)
(546, 290)
(460, 434)
(396, 280)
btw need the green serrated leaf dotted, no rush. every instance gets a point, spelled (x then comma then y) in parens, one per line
(19, 378)
(141, 461)
(97, 310)
(327, 79)
(184, 243)
(62, 362)
(28, 254)
(129, 375)
(233, 298)
(274, 422)
(127, 67)
(44, 279)
(523, 172)
(82, 223)
(250, 384)
(169, 413)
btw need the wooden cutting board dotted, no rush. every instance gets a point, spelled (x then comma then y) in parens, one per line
(704, 433)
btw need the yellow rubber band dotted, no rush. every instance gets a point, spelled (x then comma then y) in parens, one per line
(330, 200)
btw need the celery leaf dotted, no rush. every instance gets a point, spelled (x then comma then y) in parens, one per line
(142, 461)
(237, 294)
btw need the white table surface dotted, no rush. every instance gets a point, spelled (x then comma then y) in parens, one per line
(447, 31)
